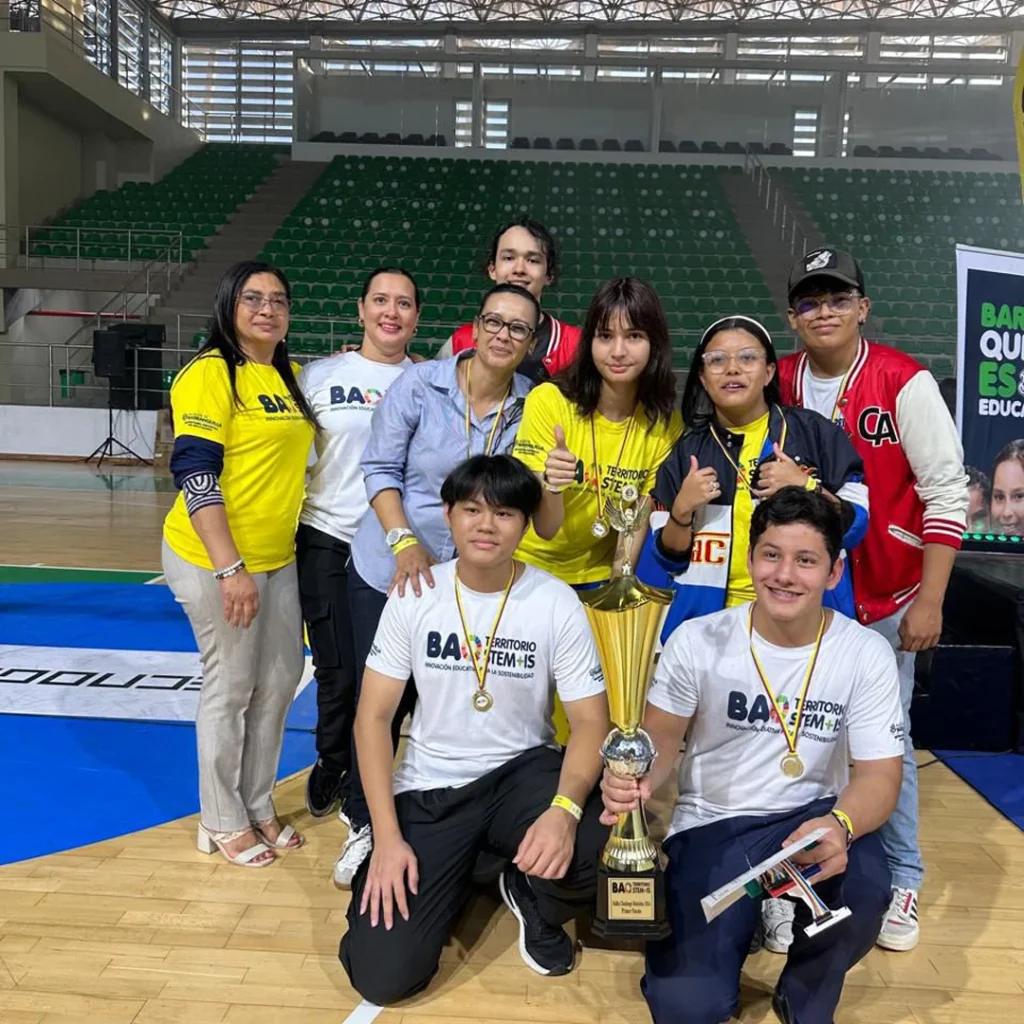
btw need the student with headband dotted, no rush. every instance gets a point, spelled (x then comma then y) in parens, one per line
(435, 415)
(741, 446)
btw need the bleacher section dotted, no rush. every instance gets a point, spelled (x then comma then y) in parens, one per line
(904, 226)
(194, 199)
(670, 225)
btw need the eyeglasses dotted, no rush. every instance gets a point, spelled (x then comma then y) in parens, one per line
(254, 302)
(518, 330)
(841, 303)
(746, 359)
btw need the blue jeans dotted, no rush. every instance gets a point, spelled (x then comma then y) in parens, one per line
(899, 833)
(693, 976)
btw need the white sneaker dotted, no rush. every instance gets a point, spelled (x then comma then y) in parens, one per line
(900, 930)
(357, 848)
(777, 925)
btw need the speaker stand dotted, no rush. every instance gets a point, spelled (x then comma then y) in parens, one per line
(112, 448)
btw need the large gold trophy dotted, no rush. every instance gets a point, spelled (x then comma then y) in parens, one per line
(626, 617)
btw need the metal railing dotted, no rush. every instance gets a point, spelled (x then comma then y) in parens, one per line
(71, 247)
(783, 217)
(51, 16)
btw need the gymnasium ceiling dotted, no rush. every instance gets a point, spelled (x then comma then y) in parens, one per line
(657, 15)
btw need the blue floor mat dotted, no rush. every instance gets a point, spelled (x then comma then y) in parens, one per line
(67, 782)
(999, 778)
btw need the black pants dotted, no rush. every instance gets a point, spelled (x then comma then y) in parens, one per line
(322, 562)
(447, 829)
(366, 606)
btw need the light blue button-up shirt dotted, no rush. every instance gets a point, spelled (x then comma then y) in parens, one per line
(418, 436)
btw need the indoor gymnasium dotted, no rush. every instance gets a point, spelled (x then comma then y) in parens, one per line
(259, 259)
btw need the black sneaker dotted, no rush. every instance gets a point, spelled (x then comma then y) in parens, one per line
(543, 947)
(323, 790)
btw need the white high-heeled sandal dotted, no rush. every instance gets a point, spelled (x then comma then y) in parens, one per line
(284, 836)
(208, 842)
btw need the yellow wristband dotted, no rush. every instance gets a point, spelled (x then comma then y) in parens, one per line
(844, 819)
(812, 483)
(405, 542)
(568, 805)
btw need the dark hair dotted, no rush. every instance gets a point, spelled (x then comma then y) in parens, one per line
(500, 481)
(697, 407)
(401, 272)
(790, 505)
(224, 340)
(540, 234)
(639, 305)
(512, 289)
(1014, 451)
(976, 478)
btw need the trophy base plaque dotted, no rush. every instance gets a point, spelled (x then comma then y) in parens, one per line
(631, 905)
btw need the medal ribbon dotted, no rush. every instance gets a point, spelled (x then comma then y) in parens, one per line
(842, 391)
(791, 737)
(597, 464)
(480, 666)
(741, 473)
(497, 418)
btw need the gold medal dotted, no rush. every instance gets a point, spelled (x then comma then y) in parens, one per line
(482, 699)
(629, 494)
(792, 764)
(599, 529)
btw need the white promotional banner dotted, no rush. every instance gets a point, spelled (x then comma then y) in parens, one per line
(76, 682)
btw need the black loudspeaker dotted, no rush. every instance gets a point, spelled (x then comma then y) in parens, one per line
(129, 355)
(109, 353)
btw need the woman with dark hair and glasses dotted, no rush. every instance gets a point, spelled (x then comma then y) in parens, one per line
(242, 435)
(602, 427)
(433, 417)
(344, 390)
(741, 446)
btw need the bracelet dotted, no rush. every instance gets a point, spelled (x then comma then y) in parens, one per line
(405, 542)
(680, 523)
(231, 570)
(568, 805)
(548, 487)
(844, 819)
(812, 483)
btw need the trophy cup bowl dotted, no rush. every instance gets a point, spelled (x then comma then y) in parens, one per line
(625, 616)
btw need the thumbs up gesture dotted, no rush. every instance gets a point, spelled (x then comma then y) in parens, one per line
(560, 465)
(777, 473)
(699, 487)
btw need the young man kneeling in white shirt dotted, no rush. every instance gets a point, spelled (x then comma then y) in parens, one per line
(481, 771)
(775, 698)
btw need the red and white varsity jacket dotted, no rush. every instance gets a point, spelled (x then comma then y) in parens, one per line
(891, 408)
(561, 341)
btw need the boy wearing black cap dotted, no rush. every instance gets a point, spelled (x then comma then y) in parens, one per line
(891, 408)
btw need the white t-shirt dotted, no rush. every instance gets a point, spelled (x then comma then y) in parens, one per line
(543, 644)
(343, 391)
(734, 749)
(821, 393)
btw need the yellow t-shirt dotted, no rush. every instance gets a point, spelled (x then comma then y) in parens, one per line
(266, 443)
(574, 554)
(740, 587)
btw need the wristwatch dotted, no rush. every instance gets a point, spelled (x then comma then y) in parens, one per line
(399, 533)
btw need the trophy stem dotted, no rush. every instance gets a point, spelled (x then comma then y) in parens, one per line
(630, 847)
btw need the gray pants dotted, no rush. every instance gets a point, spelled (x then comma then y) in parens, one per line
(249, 681)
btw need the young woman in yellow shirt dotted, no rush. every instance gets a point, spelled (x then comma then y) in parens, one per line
(604, 424)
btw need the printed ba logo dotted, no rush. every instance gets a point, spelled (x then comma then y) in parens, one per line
(355, 396)
(877, 426)
(819, 260)
(477, 643)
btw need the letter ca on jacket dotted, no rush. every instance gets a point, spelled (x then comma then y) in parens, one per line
(877, 426)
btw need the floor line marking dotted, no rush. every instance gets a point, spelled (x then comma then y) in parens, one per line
(363, 1013)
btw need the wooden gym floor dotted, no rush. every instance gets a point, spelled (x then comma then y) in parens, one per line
(144, 929)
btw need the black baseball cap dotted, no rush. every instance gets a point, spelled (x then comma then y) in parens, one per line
(831, 264)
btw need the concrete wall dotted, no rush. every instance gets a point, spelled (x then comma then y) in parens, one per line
(719, 112)
(49, 164)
